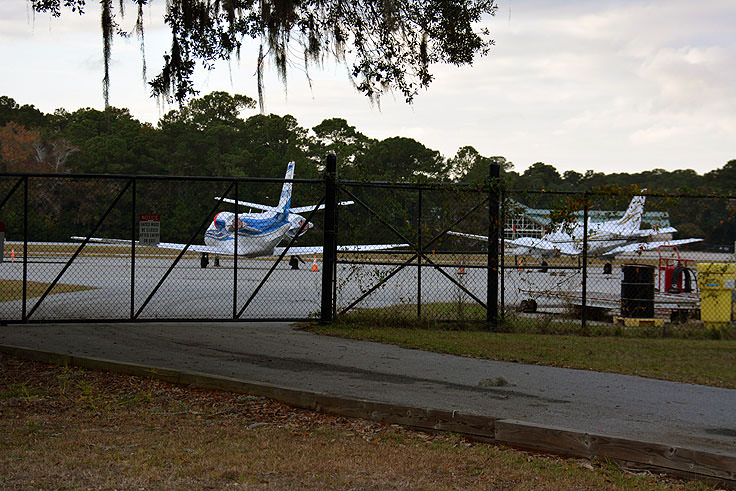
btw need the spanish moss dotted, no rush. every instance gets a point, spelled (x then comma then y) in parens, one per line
(386, 45)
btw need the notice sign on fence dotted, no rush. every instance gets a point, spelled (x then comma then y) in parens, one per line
(149, 231)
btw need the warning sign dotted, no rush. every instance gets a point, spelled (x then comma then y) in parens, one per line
(149, 229)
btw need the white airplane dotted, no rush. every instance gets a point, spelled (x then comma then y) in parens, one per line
(604, 238)
(258, 234)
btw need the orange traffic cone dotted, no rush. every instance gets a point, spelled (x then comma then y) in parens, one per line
(521, 264)
(314, 264)
(12, 255)
(462, 268)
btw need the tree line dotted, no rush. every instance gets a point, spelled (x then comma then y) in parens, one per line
(210, 136)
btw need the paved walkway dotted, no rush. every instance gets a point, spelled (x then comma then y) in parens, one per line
(693, 416)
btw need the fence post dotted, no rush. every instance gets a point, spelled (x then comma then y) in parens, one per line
(584, 299)
(133, 223)
(492, 287)
(419, 254)
(24, 312)
(235, 255)
(329, 243)
(502, 251)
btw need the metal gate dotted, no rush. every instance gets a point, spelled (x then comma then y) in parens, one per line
(56, 268)
(430, 279)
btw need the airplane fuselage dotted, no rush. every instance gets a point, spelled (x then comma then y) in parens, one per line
(258, 234)
(601, 237)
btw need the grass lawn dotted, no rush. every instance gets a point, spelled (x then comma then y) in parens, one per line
(77, 429)
(13, 289)
(699, 361)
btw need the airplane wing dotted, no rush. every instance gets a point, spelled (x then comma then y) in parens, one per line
(307, 250)
(96, 240)
(535, 246)
(257, 206)
(293, 251)
(655, 231)
(193, 247)
(161, 245)
(303, 209)
(469, 236)
(300, 209)
(648, 246)
(530, 245)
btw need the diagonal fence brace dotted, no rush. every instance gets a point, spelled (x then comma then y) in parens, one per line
(183, 251)
(273, 266)
(79, 249)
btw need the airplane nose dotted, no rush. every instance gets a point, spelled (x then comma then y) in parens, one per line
(303, 226)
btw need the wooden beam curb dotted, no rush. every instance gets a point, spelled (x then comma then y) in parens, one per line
(685, 462)
(681, 461)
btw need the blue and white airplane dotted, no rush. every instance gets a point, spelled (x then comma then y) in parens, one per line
(258, 234)
(266, 226)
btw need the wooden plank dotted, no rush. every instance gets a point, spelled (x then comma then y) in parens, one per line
(571, 442)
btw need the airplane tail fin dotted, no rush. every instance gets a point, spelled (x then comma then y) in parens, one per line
(285, 200)
(631, 220)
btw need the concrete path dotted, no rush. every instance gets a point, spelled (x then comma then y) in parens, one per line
(279, 354)
(685, 415)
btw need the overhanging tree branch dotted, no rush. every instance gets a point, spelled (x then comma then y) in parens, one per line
(387, 45)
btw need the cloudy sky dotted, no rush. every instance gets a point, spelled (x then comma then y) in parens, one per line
(607, 85)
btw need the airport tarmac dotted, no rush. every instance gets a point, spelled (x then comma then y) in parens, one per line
(191, 292)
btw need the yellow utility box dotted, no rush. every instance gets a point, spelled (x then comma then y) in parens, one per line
(715, 281)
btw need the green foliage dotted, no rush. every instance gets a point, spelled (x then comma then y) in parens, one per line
(26, 115)
(385, 45)
(211, 111)
(470, 166)
(399, 159)
(336, 136)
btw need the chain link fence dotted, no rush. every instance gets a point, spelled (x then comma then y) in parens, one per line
(75, 249)
(570, 262)
(69, 252)
(436, 277)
